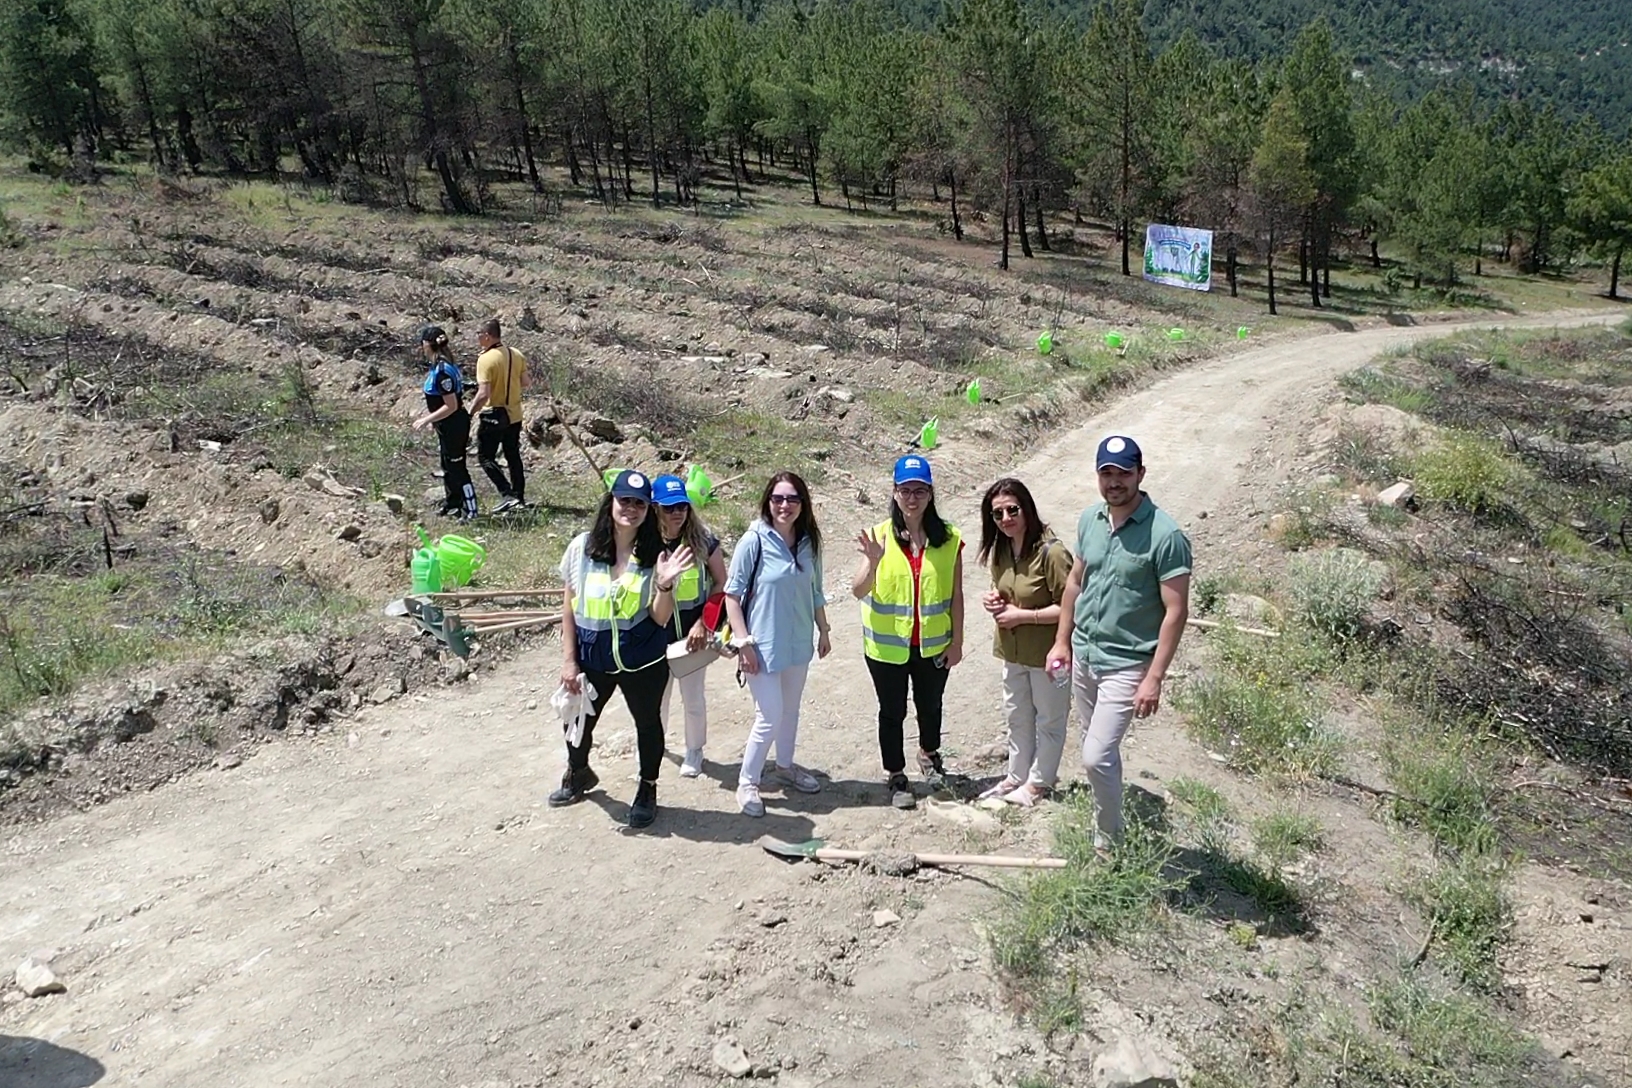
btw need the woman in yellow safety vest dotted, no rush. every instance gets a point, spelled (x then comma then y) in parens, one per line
(680, 525)
(619, 599)
(910, 585)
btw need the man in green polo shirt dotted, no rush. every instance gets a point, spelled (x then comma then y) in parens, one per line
(1125, 605)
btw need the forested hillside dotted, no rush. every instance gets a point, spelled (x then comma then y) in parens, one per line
(1575, 53)
(998, 108)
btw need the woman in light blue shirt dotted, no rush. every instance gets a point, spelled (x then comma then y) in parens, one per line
(776, 606)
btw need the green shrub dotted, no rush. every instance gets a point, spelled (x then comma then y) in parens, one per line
(1259, 725)
(1469, 916)
(1464, 472)
(1442, 785)
(1331, 590)
(1092, 900)
(1284, 837)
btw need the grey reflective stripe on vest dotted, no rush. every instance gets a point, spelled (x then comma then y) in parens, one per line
(889, 609)
(890, 640)
(935, 609)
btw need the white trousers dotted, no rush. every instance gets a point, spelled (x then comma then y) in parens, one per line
(1036, 711)
(694, 695)
(1105, 709)
(776, 717)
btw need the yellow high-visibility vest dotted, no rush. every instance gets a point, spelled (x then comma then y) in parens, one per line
(887, 613)
(604, 602)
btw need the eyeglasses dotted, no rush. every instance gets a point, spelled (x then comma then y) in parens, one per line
(630, 500)
(1006, 512)
(786, 500)
(917, 494)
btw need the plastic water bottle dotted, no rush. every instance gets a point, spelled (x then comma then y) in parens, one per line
(1060, 673)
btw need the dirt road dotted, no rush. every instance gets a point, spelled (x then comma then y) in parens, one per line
(398, 907)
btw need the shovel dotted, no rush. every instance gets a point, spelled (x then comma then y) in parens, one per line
(815, 848)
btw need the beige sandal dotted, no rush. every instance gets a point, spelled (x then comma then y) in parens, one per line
(1007, 786)
(1027, 795)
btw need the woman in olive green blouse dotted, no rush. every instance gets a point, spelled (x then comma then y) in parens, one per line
(1029, 567)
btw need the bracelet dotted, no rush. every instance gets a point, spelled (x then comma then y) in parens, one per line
(661, 588)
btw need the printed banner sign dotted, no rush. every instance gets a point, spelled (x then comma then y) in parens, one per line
(1179, 256)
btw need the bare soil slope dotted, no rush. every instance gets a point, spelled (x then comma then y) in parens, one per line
(398, 907)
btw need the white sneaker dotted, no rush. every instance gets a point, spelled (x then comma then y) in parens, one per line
(748, 801)
(692, 765)
(799, 778)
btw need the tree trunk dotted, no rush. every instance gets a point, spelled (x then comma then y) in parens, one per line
(1615, 272)
(815, 190)
(1037, 211)
(651, 139)
(575, 171)
(1376, 259)
(1020, 219)
(1127, 234)
(1229, 271)
(521, 116)
(957, 221)
(433, 132)
(1303, 257)
(732, 151)
(1008, 196)
(1269, 269)
(1326, 261)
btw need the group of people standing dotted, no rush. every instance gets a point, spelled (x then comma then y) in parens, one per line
(501, 375)
(1098, 622)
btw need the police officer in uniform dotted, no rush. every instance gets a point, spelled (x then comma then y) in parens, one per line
(445, 410)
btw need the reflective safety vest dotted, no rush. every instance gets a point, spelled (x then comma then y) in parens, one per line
(604, 603)
(887, 613)
(691, 588)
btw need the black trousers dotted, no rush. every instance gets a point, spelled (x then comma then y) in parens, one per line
(927, 679)
(452, 444)
(643, 695)
(490, 438)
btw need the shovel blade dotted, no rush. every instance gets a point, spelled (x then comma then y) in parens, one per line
(782, 849)
(398, 607)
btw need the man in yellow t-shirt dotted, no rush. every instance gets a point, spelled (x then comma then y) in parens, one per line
(501, 374)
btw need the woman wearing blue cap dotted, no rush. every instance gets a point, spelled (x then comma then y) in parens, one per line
(679, 524)
(777, 609)
(910, 585)
(619, 599)
(445, 410)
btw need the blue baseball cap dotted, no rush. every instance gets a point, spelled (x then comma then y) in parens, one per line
(670, 491)
(913, 469)
(1120, 451)
(632, 485)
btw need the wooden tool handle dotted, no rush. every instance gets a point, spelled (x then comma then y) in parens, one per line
(993, 860)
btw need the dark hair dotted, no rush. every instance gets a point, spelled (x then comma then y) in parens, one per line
(803, 526)
(603, 546)
(434, 336)
(491, 327)
(936, 532)
(989, 532)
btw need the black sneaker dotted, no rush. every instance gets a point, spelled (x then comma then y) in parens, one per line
(574, 784)
(933, 769)
(901, 795)
(507, 503)
(644, 809)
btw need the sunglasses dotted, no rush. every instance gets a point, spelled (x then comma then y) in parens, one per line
(786, 500)
(1005, 512)
(630, 500)
(676, 508)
